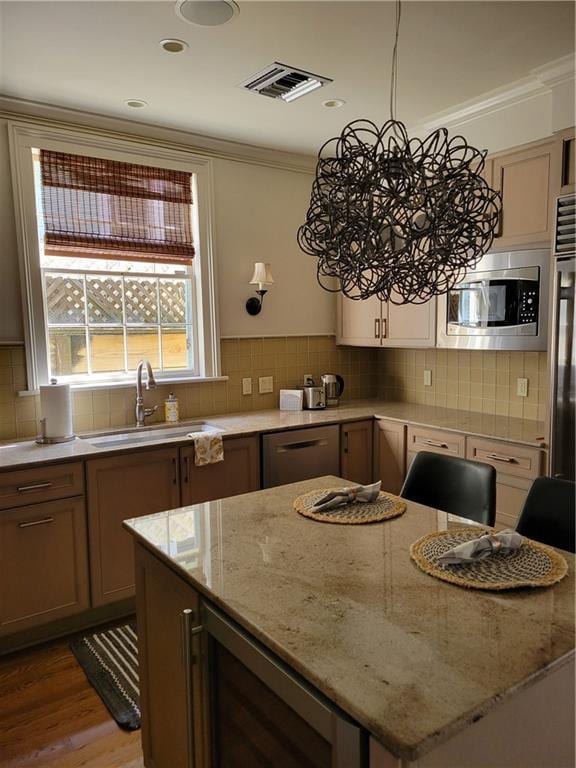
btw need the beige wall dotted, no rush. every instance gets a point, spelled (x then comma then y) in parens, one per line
(469, 381)
(286, 359)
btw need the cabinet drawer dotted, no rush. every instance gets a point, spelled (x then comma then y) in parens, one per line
(43, 564)
(30, 486)
(436, 441)
(506, 458)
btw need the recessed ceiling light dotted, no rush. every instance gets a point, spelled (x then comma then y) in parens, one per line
(333, 103)
(172, 45)
(207, 13)
(136, 103)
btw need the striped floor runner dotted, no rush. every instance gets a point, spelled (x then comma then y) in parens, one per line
(110, 661)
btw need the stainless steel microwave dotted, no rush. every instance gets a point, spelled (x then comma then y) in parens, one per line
(502, 304)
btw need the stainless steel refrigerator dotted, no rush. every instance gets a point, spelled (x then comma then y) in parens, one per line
(563, 397)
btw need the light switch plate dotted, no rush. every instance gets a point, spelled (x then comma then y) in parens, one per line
(522, 387)
(247, 386)
(427, 378)
(265, 384)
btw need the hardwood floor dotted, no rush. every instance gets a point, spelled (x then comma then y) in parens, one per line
(50, 716)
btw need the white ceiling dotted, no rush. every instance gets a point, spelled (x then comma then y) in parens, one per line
(94, 55)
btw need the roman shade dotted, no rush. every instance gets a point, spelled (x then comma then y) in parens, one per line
(107, 209)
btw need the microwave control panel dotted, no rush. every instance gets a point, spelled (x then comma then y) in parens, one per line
(528, 306)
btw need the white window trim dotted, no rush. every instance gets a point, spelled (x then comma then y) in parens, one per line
(23, 138)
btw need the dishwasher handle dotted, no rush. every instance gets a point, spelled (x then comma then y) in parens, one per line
(302, 444)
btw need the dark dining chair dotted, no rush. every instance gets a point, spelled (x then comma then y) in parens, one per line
(548, 513)
(458, 486)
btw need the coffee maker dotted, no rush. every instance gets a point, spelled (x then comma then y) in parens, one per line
(333, 386)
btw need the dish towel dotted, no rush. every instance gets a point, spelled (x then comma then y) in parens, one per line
(208, 448)
(478, 549)
(342, 496)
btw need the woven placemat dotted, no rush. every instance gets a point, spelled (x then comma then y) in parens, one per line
(385, 507)
(532, 565)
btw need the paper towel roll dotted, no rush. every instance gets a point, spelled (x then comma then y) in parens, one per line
(56, 408)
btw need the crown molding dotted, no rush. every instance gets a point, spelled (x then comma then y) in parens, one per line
(50, 115)
(540, 82)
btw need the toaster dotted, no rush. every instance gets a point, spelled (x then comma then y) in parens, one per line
(314, 398)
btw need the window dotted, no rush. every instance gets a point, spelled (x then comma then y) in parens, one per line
(117, 263)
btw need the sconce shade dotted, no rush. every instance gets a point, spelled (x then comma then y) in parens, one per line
(262, 274)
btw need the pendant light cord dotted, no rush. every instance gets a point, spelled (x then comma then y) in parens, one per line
(394, 69)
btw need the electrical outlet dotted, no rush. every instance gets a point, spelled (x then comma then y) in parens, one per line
(247, 386)
(522, 387)
(265, 384)
(308, 380)
(427, 378)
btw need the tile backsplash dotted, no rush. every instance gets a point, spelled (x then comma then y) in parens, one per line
(286, 359)
(472, 381)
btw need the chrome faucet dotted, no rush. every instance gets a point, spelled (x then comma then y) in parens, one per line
(141, 412)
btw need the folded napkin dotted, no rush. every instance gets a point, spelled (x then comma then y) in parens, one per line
(342, 496)
(208, 448)
(478, 549)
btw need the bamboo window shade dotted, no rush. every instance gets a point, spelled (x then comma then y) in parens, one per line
(107, 209)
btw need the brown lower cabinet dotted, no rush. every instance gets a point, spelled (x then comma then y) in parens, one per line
(168, 709)
(121, 487)
(238, 473)
(356, 444)
(390, 454)
(43, 564)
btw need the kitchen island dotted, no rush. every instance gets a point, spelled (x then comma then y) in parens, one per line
(433, 675)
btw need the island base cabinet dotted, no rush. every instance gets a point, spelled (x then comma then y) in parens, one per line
(165, 666)
(43, 564)
(119, 488)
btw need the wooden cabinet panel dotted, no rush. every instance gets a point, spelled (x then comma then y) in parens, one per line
(359, 322)
(409, 325)
(508, 458)
(43, 564)
(436, 441)
(511, 493)
(30, 486)
(527, 180)
(566, 156)
(161, 598)
(238, 473)
(390, 454)
(356, 441)
(121, 487)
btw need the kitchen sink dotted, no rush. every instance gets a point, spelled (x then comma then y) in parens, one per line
(137, 436)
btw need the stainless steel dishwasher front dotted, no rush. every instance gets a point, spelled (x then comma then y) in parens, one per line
(300, 454)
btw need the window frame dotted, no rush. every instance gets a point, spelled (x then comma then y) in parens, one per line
(23, 138)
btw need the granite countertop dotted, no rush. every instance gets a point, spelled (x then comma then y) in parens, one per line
(413, 659)
(24, 453)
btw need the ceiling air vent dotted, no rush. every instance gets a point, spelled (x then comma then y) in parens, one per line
(279, 81)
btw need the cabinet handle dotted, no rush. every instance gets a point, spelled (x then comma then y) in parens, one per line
(346, 441)
(34, 487)
(186, 469)
(175, 471)
(376, 328)
(384, 328)
(435, 444)
(498, 457)
(500, 225)
(303, 444)
(32, 523)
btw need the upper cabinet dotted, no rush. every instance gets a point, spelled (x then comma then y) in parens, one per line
(375, 323)
(528, 180)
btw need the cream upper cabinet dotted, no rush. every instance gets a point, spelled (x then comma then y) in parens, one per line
(359, 322)
(528, 180)
(373, 323)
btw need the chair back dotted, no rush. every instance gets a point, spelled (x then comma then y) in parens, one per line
(454, 485)
(548, 513)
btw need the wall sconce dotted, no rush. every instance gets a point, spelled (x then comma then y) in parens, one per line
(262, 276)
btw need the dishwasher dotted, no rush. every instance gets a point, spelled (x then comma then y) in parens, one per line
(300, 454)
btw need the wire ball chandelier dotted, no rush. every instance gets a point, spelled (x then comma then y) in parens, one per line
(398, 218)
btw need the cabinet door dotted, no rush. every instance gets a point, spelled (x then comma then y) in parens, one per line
(390, 454)
(121, 487)
(359, 323)
(566, 156)
(161, 599)
(527, 181)
(356, 443)
(43, 564)
(409, 325)
(238, 473)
